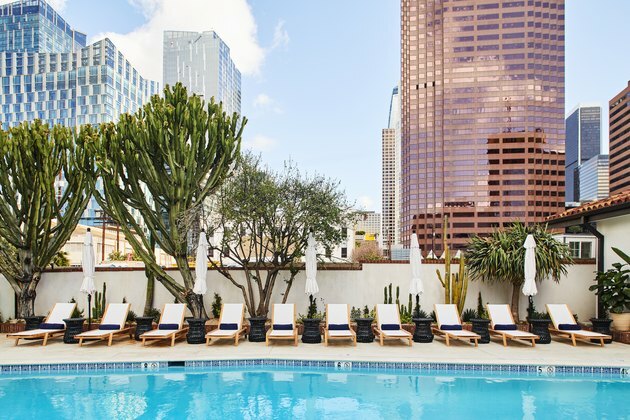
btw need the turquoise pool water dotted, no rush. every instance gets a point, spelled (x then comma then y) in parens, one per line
(260, 393)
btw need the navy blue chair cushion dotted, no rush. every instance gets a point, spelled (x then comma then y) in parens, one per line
(285, 327)
(451, 327)
(390, 327)
(569, 327)
(338, 327)
(225, 326)
(109, 327)
(505, 327)
(46, 326)
(168, 327)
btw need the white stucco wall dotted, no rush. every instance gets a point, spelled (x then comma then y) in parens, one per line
(616, 233)
(355, 287)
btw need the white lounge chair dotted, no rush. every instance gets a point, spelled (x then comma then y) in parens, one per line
(52, 326)
(112, 323)
(564, 325)
(230, 323)
(283, 325)
(450, 325)
(388, 325)
(502, 323)
(338, 323)
(171, 324)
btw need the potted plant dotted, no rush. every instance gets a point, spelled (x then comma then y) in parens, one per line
(311, 323)
(613, 290)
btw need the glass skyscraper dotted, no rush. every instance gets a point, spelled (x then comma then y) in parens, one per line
(48, 73)
(201, 62)
(583, 138)
(482, 98)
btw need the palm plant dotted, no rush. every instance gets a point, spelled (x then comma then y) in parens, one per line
(500, 257)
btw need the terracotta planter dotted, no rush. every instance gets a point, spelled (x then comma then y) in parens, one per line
(467, 326)
(12, 327)
(621, 322)
(411, 328)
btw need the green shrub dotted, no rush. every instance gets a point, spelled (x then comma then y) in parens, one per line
(216, 305)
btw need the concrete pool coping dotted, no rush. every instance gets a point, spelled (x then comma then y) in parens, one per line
(559, 352)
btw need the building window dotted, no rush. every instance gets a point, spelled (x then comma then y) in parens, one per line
(344, 252)
(581, 249)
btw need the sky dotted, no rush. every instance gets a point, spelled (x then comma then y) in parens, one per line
(317, 75)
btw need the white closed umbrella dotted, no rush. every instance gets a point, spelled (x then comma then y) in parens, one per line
(415, 260)
(529, 287)
(431, 256)
(201, 269)
(311, 287)
(201, 265)
(88, 265)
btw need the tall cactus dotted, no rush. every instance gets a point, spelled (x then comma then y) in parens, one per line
(164, 162)
(455, 284)
(37, 217)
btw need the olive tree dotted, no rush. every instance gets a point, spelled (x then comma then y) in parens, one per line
(264, 218)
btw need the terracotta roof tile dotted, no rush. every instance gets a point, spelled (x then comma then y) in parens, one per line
(612, 201)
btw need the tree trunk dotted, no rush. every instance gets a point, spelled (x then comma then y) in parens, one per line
(148, 302)
(195, 304)
(516, 294)
(25, 303)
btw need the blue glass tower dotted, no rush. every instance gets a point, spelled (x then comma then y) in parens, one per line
(48, 72)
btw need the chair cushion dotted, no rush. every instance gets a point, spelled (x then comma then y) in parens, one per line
(390, 327)
(224, 326)
(451, 327)
(109, 327)
(338, 327)
(46, 326)
(168, 327)
(569, 327)
(505, 327)
(283, 327)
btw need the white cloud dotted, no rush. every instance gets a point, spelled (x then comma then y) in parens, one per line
(365, 202)
(280, 36)
(231, 19)
(264, 102)
(259, 143)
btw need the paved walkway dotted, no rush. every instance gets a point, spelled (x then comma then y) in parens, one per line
(559, 352)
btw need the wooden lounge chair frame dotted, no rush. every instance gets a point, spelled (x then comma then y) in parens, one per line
(236, 334)
(173, 335)
(383, 334)
(43, 335)
(109, 337)
(352, 336)
(505, 334)
(447, 333)
(574, 335)
(294, 336)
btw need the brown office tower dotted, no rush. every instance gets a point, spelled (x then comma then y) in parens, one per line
(619, 123)
(482, 116)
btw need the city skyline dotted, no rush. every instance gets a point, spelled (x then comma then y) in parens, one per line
(288, 76)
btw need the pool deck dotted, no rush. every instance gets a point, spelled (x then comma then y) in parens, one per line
(559, 352)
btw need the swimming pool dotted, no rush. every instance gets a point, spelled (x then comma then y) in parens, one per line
(271, 392)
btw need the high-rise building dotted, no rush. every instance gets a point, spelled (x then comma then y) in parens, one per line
(34, 26)
(201, 61)
(48, 73)
(619, 132)
(369, 223)
(482, 116)
(583, 141)
(594, 178)
(390, 200)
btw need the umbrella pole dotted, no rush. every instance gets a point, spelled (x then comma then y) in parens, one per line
(530, 308)
(89, 311)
